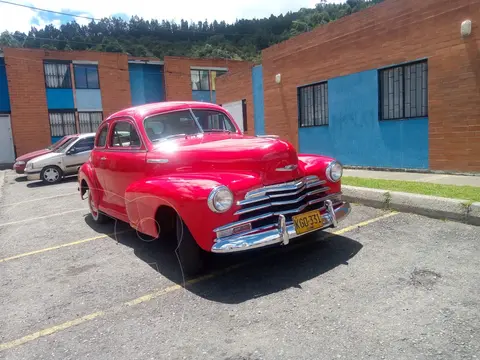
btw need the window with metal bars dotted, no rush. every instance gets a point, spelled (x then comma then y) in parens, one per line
(57, 75)
(62, 123)
(404, 91)
(89, 121)
(313, 105)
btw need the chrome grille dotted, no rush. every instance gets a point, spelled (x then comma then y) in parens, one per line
(263, 206)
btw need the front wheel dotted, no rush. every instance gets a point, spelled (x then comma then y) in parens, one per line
(51, 174)
(97, 216)
(192, 257)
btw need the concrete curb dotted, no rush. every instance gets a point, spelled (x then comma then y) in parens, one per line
(431, 206)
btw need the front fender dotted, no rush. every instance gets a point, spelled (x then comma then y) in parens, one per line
(187, 194)
(317, 165)
(87, 173)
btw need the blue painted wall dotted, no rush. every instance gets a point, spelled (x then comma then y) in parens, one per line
(4, 97)
(203, 95)
(258, 104)
(355, 136)
(88, 99)
(60, 99)
(146, 83)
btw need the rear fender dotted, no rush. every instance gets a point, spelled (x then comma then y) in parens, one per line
(187, 195)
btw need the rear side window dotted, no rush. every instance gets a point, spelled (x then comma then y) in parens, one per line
(102, 137)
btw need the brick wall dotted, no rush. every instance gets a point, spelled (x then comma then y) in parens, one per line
(392, 32)
(26, 83)
(177, 74)
(237, 86)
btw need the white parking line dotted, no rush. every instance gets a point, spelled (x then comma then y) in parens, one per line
(39, 199)
(42, 217)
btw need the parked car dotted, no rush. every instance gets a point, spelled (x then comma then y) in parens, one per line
(185, 170)
(63, 161)
(21, 161)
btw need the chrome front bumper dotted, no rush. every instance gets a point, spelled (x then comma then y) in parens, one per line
(281, 234)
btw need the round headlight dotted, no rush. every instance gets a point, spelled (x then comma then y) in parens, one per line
(220, 199)
(334, 171)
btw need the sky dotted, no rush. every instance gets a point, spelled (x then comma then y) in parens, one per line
(14, 18)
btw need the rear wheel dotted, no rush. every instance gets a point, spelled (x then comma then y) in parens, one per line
(51, 174)
(192, 257)
(97, 216)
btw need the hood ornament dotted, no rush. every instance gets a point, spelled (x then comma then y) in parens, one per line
(290, 167)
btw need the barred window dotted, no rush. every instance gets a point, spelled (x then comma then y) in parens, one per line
(57, 75)
(62, 124)
(313, 105)
(404, 91)
(89, 121)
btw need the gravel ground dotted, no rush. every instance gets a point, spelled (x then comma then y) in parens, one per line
(401, 287)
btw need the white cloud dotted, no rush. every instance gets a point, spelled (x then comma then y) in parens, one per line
(17, 18)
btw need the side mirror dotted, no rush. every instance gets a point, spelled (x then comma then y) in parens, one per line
(71, 151)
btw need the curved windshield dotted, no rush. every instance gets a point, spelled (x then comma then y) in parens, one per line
(182, 123)
(65, 145)
(56, 144)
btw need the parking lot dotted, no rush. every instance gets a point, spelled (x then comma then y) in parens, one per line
(383, 285)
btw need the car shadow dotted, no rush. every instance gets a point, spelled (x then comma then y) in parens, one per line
(37, 183)
(236, 278)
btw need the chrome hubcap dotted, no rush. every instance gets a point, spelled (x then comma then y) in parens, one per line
(51, 175)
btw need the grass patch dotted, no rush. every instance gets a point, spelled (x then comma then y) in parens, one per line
(470, 193)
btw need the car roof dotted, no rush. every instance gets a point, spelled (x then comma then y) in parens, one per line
(81, 136)
(141, 111)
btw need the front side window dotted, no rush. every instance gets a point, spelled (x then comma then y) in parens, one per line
(124, 135)
(102, 137)
(89, 121)
(57, 75)
(86, 76)
(180, 123)
(62, 123)
(85, 144)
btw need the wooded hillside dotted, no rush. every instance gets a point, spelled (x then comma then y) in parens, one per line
(243, 39)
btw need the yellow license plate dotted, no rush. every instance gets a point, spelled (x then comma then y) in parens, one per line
(308, 221)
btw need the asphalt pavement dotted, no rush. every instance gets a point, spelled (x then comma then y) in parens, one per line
(384, 285)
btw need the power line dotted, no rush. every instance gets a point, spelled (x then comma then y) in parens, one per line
(46, 10)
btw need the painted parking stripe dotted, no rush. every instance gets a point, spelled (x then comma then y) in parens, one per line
(39, 199)
(158, 293)
(42, 217)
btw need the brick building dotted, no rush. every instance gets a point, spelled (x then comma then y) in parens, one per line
(46, 94)
(394, 86)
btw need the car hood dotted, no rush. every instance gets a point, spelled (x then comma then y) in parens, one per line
(273, 160)
(33, 154)
(51, 158)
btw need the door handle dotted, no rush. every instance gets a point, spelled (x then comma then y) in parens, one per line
(103, 158)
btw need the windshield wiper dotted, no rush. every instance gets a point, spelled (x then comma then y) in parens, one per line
(217, 130)
(170, 137)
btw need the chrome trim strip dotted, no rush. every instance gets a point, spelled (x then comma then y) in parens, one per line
(293, 185)
(267, 215)
(280, 203)
(261, 193)
(281, 234)
(157, 161)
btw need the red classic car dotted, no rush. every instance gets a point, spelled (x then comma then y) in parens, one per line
(184, 170)
(21, 161)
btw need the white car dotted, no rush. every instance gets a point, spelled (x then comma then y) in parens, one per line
(64, 161)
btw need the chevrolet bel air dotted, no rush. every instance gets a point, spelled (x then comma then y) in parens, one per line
(185, 171)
